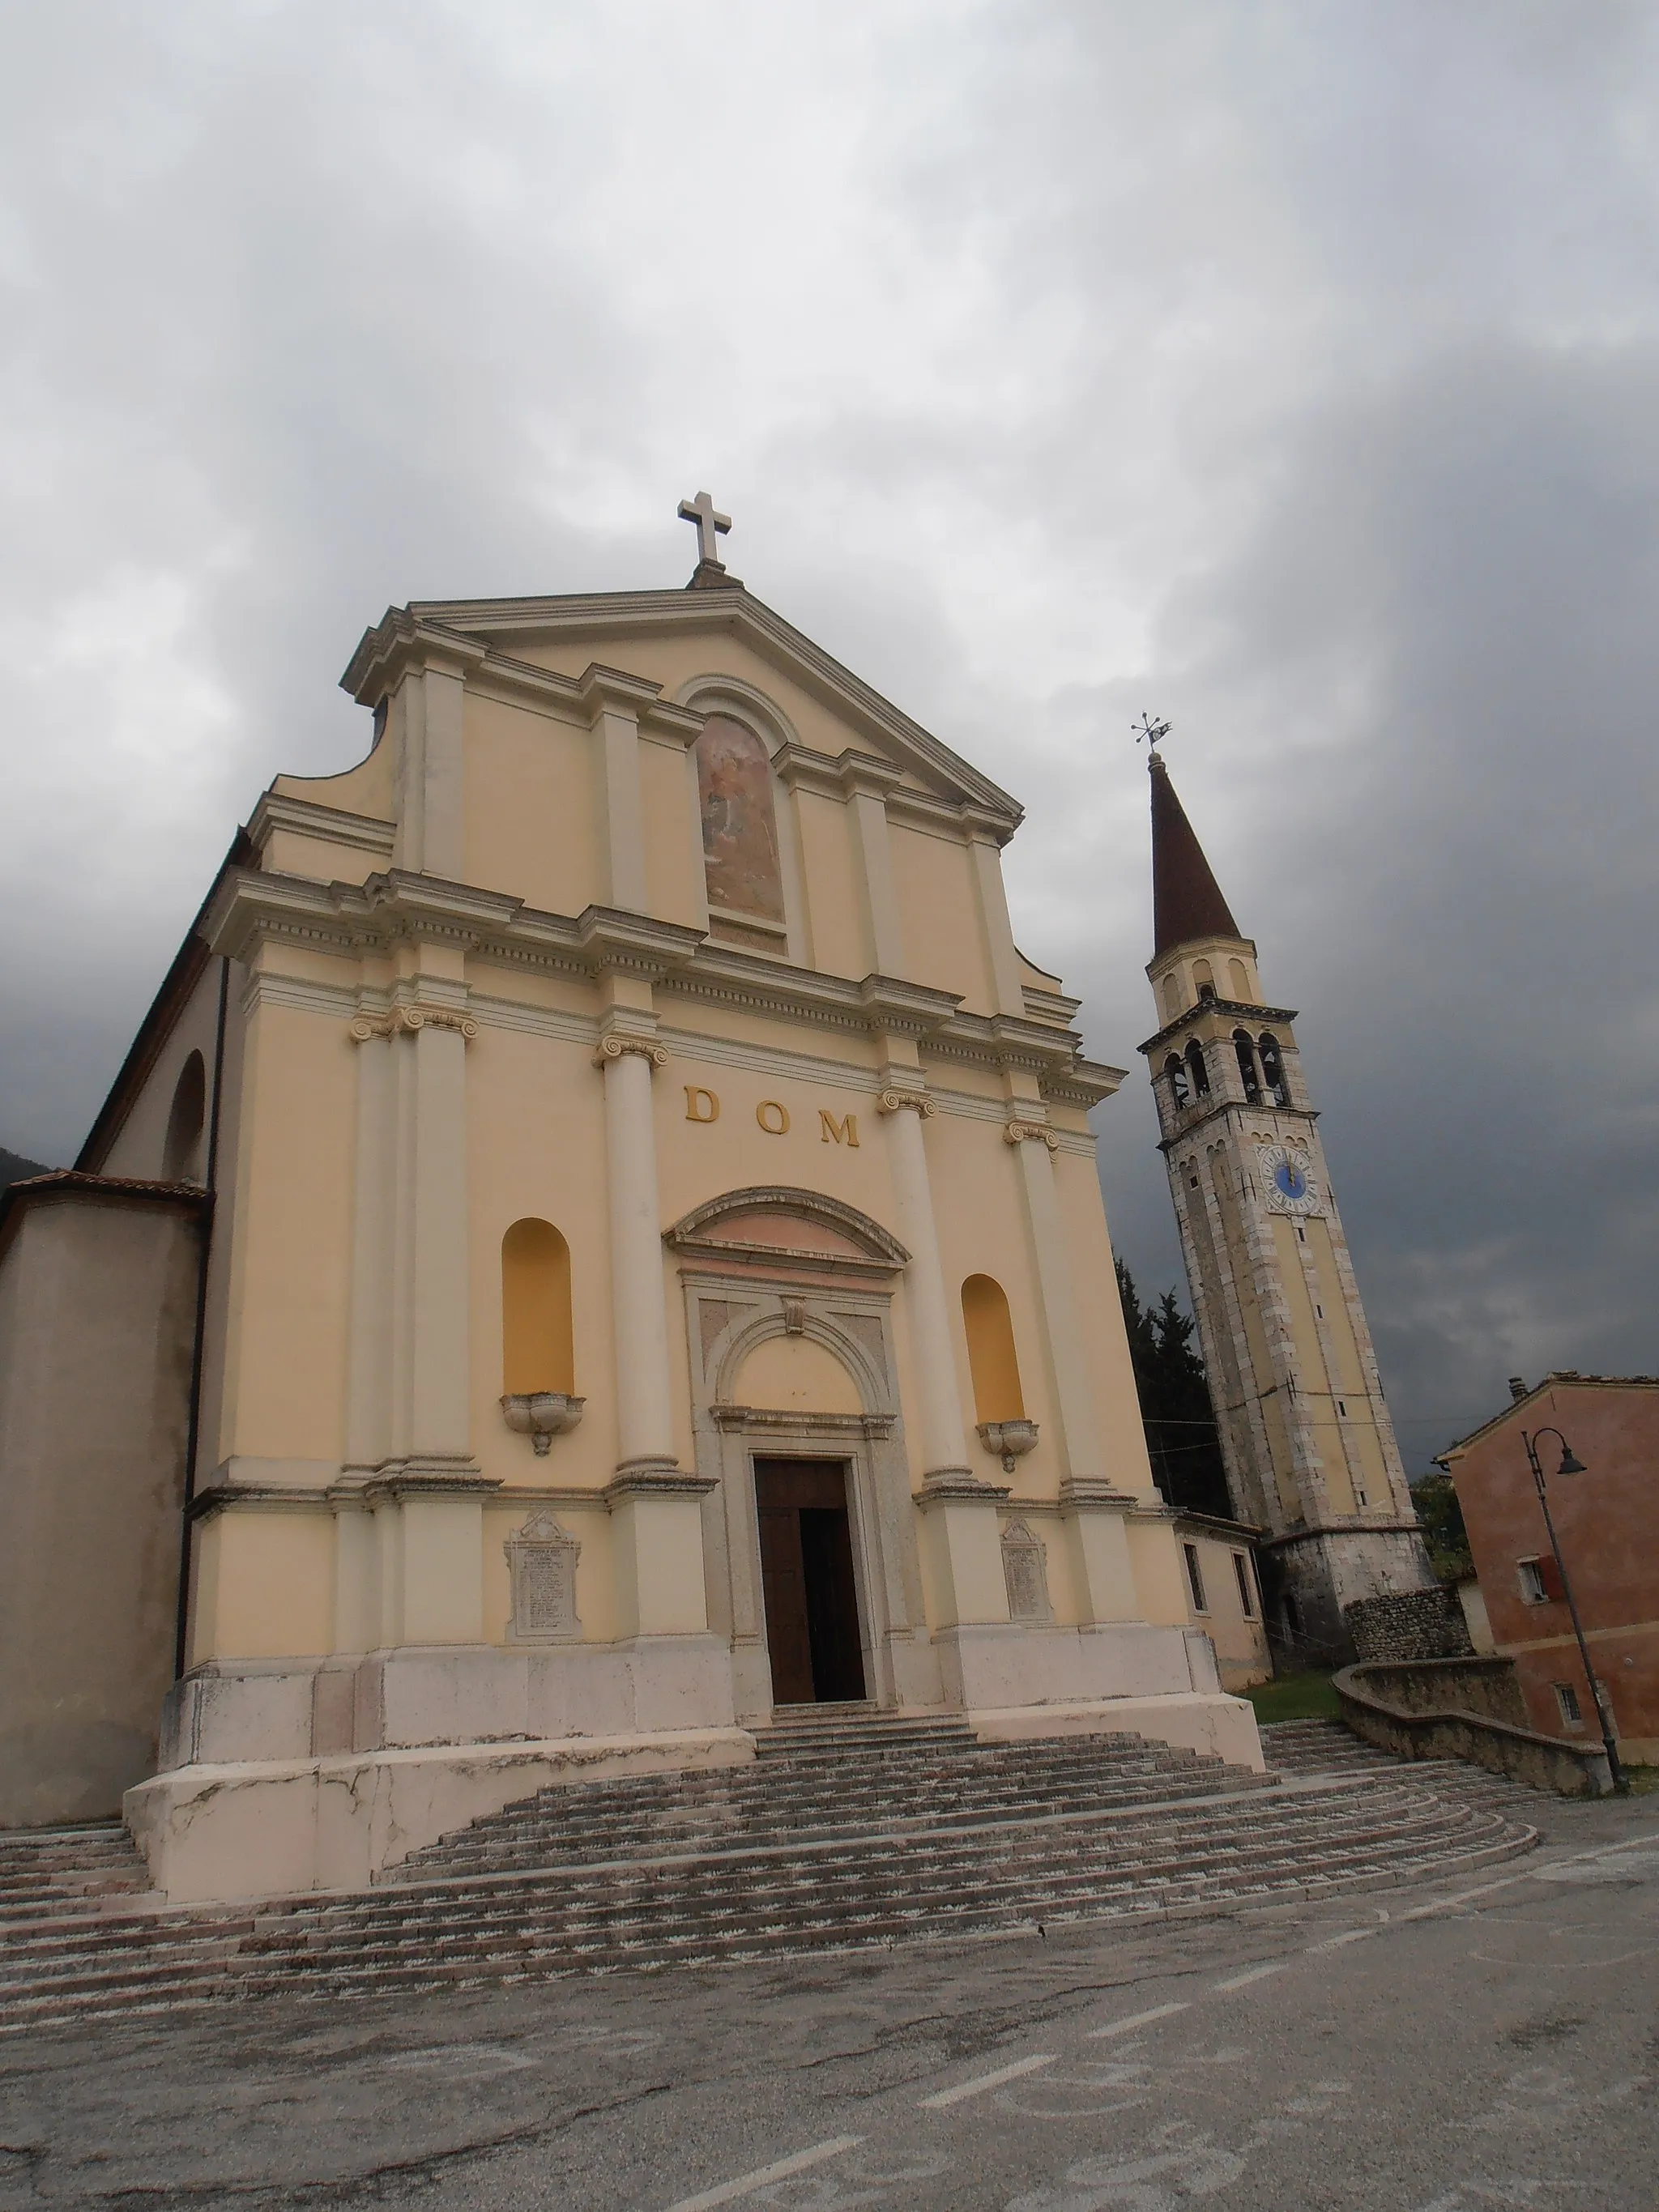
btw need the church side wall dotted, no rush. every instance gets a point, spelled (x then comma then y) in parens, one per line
(284, 1396)
(140, 1144)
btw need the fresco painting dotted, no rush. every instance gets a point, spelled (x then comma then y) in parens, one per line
(739, 829)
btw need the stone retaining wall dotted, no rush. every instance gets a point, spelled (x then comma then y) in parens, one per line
(1416, 1712)
(1426, 1624)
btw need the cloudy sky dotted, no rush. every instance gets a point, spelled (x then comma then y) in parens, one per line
(1288, 369)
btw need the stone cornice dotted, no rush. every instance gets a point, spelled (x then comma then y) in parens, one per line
(1238, 1009)
(329, 825)
(400, 907)
(773, 1421)
(401, 640)
(477, 628)
(656, 1478)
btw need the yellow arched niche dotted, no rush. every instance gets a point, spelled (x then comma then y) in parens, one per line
(991, 1358)
(792, 1375)
(537, 1349)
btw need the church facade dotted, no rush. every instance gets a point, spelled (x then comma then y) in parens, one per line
(1309, 1449)
(654, 1266)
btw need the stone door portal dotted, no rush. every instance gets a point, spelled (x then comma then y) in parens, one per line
(806, 1572)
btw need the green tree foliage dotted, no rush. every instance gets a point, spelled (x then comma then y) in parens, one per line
(1182, 1437)
(1436, 1499)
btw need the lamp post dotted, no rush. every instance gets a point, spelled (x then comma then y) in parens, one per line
(1572, 1464)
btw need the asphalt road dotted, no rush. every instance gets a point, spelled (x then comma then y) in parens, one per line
(1440, 2049)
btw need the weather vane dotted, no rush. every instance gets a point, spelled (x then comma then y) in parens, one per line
(1148, 732)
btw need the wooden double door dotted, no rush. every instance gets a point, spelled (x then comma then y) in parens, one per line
(806, 1570)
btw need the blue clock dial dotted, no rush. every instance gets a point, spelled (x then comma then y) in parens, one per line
(1287, 1182)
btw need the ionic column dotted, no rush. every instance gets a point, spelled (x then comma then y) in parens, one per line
(645, 1415)
(944, 1448)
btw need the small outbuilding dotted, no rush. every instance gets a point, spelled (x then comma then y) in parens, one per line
(1597, 1438)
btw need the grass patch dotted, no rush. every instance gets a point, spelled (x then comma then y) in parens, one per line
(1644, 1781)
(1295, 1698)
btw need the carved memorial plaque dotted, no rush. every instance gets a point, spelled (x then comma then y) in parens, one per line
(1024, 1569)
(541, 1559)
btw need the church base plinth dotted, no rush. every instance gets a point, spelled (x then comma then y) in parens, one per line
(1217, 1726)
(265, 1828)
(418, 1696)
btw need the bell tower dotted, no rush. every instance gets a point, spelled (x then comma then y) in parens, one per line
(1308, 1447)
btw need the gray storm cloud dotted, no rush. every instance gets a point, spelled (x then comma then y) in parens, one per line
(1287, 370)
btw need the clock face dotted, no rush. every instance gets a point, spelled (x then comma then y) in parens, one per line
(1285, 1171)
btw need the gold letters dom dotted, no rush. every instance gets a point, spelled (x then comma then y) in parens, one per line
(702, 1104)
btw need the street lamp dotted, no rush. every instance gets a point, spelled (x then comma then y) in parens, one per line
(1572, 1464)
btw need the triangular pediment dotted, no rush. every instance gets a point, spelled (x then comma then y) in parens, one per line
(500, 633)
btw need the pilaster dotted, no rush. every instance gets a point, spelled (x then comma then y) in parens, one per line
(614, 703)
(905, 1104)
(866, 814)
(1078, 1437)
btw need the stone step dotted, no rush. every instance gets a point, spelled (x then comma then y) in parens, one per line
(634, 1932)
(843, 1786)
(852, 1845)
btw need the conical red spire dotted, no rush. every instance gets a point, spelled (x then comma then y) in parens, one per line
(1187, 901)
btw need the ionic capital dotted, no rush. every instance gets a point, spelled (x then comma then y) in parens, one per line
(895, 1102)
(613, 1048)
(405, 1021)
(1038, 1133)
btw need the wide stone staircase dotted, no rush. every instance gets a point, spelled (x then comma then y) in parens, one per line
(1308, 1747)
(849, 1829)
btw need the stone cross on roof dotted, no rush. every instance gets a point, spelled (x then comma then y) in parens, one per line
(710, 526)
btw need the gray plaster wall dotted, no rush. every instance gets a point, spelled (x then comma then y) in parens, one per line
(97, 1316)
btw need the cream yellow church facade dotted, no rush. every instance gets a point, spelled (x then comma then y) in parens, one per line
(657, 1271)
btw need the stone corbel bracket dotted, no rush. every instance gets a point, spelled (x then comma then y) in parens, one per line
(1008, 1440)
(541, 1415)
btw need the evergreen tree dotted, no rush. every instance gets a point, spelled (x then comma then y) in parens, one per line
(1182, 1440)
(1436, 1499)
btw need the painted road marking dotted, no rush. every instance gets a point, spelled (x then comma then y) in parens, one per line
(729, 2191)
(1136, 2020)
(982, 2081)
(1335, 1942)
(1255, 1974)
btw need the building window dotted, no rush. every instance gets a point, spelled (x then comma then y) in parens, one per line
(1175, 1069)
(1567, 1699)
(1533, 1588)
(1247, 1068)
(181, 1149)
(991, 1358)
(538, 1346)
(1197, 1073)
(1272, 1071)
(1242, 1575)
(1194, 1578)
